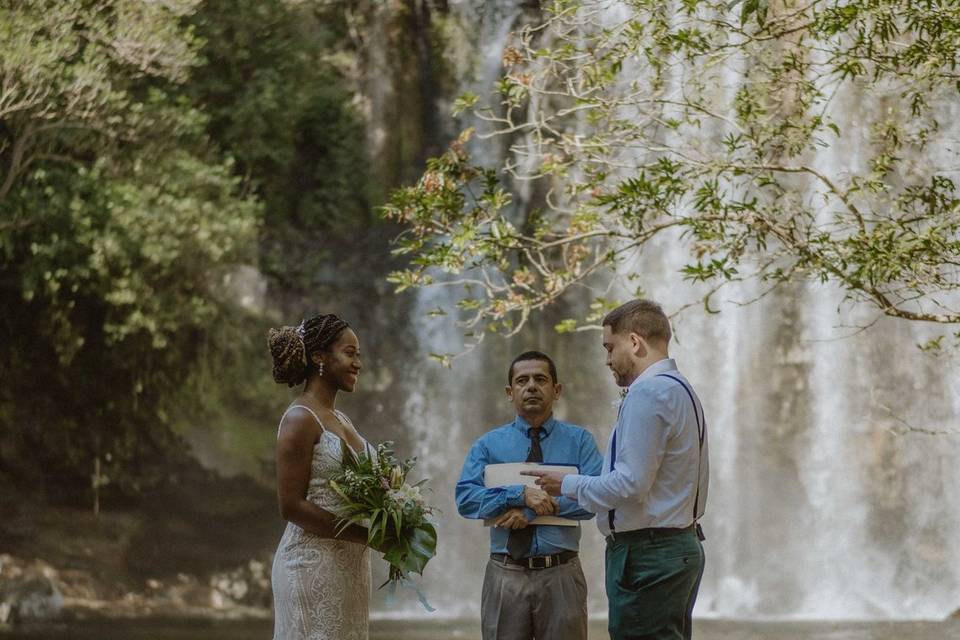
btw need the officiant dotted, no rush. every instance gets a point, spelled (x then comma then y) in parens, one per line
(533, 587)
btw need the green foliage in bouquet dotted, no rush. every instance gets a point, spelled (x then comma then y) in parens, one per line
(376, 495)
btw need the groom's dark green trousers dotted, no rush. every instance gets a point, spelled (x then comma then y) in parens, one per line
(652, 580)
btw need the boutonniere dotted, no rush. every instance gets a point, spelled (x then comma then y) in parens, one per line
(619, 401)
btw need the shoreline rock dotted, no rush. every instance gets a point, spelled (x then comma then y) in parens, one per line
(33, 591)
(29, 592)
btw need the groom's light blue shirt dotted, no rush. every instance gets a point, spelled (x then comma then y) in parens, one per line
(659, 462)
(562, 443)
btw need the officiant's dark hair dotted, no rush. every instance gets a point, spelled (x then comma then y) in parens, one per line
(533, 355)
(643, 317)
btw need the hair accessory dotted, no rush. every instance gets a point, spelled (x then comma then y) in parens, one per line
(301, 331)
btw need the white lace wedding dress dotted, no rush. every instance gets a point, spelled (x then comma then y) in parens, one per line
(321, 587)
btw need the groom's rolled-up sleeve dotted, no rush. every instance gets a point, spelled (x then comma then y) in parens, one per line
(474, 500)
(642, 432)
(591, 464)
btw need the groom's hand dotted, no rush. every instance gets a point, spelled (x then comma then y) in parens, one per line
(539, 501)
(512, 519)
(549, 481)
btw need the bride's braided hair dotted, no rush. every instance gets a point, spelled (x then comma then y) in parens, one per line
(291, 347)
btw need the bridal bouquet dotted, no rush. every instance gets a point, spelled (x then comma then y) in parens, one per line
(376, 495)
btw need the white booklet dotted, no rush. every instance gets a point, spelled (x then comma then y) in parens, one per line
(508, 473)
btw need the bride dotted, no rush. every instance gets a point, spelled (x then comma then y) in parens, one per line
(321, 581)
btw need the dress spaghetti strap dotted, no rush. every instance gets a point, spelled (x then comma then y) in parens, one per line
(341, 416)
(301, 406)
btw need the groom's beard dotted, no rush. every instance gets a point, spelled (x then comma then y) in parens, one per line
(618, 378)
(624, 378)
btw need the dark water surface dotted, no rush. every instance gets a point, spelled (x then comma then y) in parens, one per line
(469, 630)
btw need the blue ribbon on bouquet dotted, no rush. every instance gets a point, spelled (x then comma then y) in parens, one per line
(412, 584)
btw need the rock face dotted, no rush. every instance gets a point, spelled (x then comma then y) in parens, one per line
(28, 591)
(243, 590)
(32, 591)
(248, 585)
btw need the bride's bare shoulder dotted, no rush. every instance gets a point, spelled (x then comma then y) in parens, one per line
(299, 422)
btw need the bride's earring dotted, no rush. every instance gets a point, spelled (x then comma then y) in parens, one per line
(320, 369)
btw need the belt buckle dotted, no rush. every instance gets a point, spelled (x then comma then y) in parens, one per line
(547, 562)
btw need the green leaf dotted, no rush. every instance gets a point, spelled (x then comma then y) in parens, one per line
(424, 544)
(445, 359)
(397, 553)
(398, 522)
(465, 101)
(347, 457)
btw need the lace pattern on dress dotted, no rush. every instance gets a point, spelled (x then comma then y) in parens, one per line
(321, 587)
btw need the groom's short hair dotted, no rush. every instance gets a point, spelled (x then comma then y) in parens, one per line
(643, 317)
(533, 355)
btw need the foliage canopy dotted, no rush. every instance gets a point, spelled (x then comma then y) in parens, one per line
(777, 142)
(118, 223)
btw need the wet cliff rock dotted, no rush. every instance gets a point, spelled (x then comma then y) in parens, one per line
(29, 591)
(35, 591)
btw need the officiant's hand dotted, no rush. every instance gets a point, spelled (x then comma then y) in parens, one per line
(512, 519)
(549, 481)
(538, 500)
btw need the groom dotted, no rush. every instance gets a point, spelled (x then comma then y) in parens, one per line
(533, 586)
(653, 486)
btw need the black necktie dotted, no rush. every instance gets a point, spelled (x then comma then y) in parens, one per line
(518, 543)
(536, 453)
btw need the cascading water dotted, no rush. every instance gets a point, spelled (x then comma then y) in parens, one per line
(835, 488)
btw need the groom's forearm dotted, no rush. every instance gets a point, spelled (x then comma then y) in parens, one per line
(605, 492)
(591, 466)
(592, 495)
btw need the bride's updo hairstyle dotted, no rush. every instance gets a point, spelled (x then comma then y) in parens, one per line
(291, 347)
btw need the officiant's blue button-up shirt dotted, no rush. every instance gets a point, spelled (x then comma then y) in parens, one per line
(562, 443)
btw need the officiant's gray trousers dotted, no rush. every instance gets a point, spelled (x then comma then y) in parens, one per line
(527, 604)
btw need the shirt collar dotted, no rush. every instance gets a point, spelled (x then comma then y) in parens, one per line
(655, 369)
(547, 426)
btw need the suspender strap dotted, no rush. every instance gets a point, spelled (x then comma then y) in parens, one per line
(701, 427)
(701, 434)
(613, 461)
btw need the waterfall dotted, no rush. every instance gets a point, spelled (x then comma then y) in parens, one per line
(835, 491)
